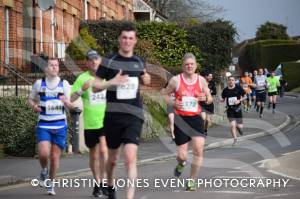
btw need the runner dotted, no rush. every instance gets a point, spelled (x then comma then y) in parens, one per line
(246, 84)
(124, 113)
(208, 109)
(50, 97)
(283, 84)
(260, 84)
(234, 95)
(93, 114)
(253, 90)
(189, 89)
(273, 83)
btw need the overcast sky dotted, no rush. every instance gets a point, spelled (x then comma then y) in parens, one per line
(248, 15)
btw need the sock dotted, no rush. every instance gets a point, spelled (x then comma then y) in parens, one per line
(261, 109)
(111, 188)
(45, 170)
(274, 105)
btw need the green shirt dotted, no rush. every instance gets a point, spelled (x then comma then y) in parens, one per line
(94, 104)
(273, 83)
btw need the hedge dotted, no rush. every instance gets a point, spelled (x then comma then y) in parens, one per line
(17, 126)
(215, 40)
(166, 43)
(270, 53)
(79, 46)
(291, 71)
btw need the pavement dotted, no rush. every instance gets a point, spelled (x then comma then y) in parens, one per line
(19, 170)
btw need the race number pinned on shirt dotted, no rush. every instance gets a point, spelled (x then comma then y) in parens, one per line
(232, 100)
(261, 83)
(54, 107)
(97, 98)
(128, 90)
(189, 104)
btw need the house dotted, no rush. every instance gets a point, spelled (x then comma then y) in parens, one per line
(26, 30)
(145, 12)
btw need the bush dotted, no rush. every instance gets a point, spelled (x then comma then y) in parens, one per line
(170, 42)
(271, 30)
(270, 53)
(291, 71)
(215, 40)
(79, 46)
(17, 126)
(167, 41)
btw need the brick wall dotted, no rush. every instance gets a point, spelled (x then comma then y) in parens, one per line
(68, 15)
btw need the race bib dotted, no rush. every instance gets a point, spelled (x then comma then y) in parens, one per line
(261, 83)
(232, 100)
(128, 90)
(190, 104)
(54, 107)
(97, 98)
(245, 86)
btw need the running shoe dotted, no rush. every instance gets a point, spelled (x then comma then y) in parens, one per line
(43, 176)
(111, 193)
(50, 190)
(96, 191)
(179, 169)
(191, 186)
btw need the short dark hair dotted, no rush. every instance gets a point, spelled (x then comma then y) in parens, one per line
(127, 27)
(231, 77)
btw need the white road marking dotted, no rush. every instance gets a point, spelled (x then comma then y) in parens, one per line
(230, 192)
(272, 195)
(283, 175)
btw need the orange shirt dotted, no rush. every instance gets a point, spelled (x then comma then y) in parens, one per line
(245, 82)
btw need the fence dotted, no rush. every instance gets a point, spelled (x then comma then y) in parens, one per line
(21, 65)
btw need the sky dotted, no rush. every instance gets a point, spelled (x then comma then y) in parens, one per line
(248, 15)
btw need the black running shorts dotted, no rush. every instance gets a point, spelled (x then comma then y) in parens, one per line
(187, 127)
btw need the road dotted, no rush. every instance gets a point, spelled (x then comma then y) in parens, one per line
(271, 159)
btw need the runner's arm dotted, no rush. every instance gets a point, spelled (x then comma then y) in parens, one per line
(32, 99)
(146, 78)
(99, 84)
(169, 89)
(206, 90)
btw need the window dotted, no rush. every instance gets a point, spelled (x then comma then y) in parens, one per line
(7, 11)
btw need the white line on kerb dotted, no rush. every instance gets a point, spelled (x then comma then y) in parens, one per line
(230, 192)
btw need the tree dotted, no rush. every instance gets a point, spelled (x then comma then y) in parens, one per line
(183, 10)
(271, 30)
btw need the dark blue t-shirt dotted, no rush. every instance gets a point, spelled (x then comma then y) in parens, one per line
(132, 66)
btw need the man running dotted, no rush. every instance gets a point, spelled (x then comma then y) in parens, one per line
(209, 108)
(246, 83)
(93, 114)
(253, 90)
(124, 114)
(234, 95)
(283, 84)
(273, 84)
(260, 84)
(189, 89)
(50, 97)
